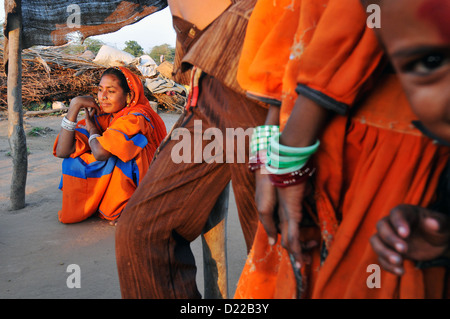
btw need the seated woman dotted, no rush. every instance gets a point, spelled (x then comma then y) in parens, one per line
(108, 153)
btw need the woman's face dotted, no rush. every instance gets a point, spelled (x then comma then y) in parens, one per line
(416, 35)
(111, 97)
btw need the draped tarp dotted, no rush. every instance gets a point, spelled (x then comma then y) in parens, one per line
(57, 22)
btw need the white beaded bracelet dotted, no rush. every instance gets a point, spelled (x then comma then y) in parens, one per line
(92, 137)
(68, 125)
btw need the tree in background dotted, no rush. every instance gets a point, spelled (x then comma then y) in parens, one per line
(133, 48)
(90, 44)
(93, 45)
(163, 49)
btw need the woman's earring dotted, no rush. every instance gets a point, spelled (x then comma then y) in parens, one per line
(128, 100)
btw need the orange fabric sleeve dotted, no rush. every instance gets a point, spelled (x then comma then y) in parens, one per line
(305, 44)
(81, 140)
(126, 137)
(266, 49)
(342, 55)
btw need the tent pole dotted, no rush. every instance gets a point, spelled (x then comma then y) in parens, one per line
(16, 133)
(214, 244)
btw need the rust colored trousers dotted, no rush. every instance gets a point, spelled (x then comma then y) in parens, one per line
(170, 207)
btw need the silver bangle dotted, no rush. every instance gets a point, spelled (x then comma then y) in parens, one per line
(68, 125)
(92, 137)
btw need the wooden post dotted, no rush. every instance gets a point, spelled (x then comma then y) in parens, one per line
(214, 245)
(16, 132)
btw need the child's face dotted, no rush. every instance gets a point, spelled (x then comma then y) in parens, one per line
(416, 35)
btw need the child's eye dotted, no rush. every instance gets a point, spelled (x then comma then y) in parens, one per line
(427, 64)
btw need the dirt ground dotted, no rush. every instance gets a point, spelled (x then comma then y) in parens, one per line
(36, 250)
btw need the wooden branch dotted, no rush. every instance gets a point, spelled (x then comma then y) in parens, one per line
(214, 246)
(16, 132)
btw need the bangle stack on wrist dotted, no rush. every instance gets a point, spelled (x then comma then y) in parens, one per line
(259, 144)
(257, 161)
(294, 178)
(68, 125)
(261, 137)
(289, 165)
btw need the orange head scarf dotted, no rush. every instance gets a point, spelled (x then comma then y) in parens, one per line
(141, 104)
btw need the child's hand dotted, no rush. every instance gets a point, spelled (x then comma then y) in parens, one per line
(411, 232)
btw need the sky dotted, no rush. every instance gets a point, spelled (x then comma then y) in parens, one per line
(155, 29)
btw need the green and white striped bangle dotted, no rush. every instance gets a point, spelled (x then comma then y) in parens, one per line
(261, 137)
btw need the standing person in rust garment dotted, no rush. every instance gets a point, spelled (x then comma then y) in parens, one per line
(174, 200)
(344, 113)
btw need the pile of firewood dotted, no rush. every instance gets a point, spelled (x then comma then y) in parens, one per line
(49, 74)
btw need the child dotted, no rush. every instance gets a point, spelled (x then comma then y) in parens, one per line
(416, 36)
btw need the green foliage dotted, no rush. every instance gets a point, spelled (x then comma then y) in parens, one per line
(39, 131)
(163, 49)
(39, 106)
(133, 48)
(93, 45)
(74, 49)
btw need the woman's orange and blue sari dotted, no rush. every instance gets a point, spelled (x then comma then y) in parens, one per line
(132, 136)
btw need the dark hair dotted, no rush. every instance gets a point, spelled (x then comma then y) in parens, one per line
(367, 2)
(120, 76)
